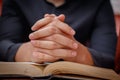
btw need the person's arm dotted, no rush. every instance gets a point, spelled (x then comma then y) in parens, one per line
(9, 32)
(70, 49)
(103, 40)
(102, 44)
(15, 45)
(12, 31)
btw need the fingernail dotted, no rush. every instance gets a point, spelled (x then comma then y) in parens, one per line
(31, 36)
(75, 45)
(33, 28)
(46, 15)
(74, 53)
(72, 32)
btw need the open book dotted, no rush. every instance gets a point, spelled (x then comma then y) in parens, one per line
(61, 69)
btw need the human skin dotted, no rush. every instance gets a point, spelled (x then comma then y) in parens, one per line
(28, 52)
(64, 44)
(51, 42)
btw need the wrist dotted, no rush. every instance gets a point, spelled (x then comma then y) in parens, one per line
(24, 53)
(83, 56)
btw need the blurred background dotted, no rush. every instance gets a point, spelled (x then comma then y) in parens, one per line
(116, 9)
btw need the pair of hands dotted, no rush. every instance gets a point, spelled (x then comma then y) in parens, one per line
(52, 40)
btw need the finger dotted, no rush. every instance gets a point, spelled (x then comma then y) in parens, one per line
(46, 15)
(44, 32)
(47, 19)
(65, 41)
(42, 22)
(41, 57)
(63, 27)
(55, 22)
(46, 44)
(60, 53)
(50, 15)
(61, 17)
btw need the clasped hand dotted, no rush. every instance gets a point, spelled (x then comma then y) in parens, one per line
(53, 39)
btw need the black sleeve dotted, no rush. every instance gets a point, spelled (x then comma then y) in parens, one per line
(103, 41)
(11, 32)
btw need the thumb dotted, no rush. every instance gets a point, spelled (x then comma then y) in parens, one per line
(61, 17)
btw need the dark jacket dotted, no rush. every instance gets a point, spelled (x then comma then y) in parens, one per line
(92, 20)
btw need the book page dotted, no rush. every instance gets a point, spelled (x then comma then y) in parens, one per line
(21, 68)
(80, 69)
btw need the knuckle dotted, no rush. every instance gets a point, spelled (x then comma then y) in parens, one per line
(71, 42)
(43, 57)
(55, 21)
(36, 34)
(48, 38)
(52, 29)
(38, 43)
(49, 18)
(51, 52)
(55, 37)
(53, 45)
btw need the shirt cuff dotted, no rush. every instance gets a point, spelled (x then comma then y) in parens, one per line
(102, 59)
(12, 52)
(8, 50)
